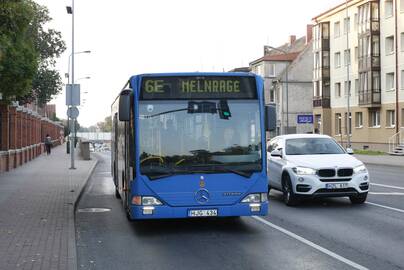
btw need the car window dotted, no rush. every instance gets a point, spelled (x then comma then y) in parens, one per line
(312, 146)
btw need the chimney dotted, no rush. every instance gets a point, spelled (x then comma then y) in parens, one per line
(292, 40)
(309, 33)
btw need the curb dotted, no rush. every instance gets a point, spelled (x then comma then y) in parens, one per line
(72, 260)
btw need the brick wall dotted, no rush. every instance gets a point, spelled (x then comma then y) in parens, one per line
(22, 135)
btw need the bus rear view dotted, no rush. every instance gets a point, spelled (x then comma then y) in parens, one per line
(198, 146)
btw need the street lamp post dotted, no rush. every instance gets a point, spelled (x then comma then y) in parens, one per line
(287, 89)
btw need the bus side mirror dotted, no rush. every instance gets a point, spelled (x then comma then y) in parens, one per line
(270, 117)
(124, 105)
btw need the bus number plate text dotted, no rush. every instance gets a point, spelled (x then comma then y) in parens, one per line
(203, 213)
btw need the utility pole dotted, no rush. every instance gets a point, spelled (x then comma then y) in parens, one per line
(348, 85)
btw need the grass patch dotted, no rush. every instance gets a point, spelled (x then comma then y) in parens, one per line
(369, 152)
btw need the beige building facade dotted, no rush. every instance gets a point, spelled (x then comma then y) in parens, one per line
(358, 48)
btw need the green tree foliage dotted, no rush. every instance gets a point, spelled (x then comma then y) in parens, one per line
(27, 52)
(106, 125)
(18, 54)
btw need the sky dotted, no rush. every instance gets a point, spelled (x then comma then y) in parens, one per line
(128, 37)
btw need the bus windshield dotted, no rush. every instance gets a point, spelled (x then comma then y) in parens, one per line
(174, 140)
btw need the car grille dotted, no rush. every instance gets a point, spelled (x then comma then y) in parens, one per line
(336, 180)
(324, 190)
(345, 172)
(326, 172)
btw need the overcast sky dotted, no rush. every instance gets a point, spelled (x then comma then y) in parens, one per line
(129, 37)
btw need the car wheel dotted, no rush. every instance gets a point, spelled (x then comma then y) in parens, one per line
(358, 199)
(289, 197)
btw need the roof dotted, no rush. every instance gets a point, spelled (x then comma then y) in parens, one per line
(334, 8)
(292, 51)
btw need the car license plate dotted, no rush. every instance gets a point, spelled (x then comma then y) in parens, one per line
(203, 213)
(336, 185)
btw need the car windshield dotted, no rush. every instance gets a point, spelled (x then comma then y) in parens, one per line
(174, 140)
(312, 146)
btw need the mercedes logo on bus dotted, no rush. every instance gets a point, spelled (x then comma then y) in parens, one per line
(202, 196)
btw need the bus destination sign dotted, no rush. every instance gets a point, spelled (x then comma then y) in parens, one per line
(198, 87)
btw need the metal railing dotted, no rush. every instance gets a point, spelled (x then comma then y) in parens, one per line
(396, 140)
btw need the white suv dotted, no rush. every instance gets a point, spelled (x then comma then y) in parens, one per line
(310, 165)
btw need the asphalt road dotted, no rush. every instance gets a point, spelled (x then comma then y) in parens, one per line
(320, 234)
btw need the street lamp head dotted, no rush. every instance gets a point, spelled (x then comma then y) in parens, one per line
(69, 10)
(87, 51)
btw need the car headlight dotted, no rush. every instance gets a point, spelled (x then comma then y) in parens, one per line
(360, 169)
(252, 198)
(304, 171)
(148, 200)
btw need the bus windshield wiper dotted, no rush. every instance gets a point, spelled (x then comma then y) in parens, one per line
(172, 173)
(219, 167)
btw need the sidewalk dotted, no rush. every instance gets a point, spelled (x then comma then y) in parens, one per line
(382, 160)
(37, 212)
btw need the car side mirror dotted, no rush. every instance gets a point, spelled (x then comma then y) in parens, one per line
(349, 151)
(124, 105)
(276, 153)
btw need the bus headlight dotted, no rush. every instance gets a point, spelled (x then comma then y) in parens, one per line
(149, 200)
(252, 198)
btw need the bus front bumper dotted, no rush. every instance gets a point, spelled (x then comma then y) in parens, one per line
(165, 211)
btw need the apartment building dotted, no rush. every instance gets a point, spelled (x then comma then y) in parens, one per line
(292, 57)
(358, 50)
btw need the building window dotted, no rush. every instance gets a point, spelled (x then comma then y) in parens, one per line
(337, 30)
(402, 79)
(317, 88)
(391, 118)
(389, 45)
(402, 41)
(271, 70)
(347, 25)
(338, 124)
(356, 22)
(326, 59)
(388, 8)
(374, 120)
(347, 57)
(347, 88)
(356, 87)
(356, 53)
(337, 59)
(338, 89)
(348, 127)
(358, 119)
(390, 81)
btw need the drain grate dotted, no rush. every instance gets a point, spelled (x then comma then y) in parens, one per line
(93, 210)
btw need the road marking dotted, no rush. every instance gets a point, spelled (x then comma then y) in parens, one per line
(387, 193)
(313, 245)
(381, 185)
(386, 207)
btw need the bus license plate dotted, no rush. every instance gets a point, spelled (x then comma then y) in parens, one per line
(336, 185)
(203, 213)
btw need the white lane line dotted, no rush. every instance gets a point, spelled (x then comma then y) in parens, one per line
(381, 185)
(387, 193)
(309, 243)
(386, 207)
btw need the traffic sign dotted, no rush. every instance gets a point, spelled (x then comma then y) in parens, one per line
(73, 112)
(72, 94)
(305, 119)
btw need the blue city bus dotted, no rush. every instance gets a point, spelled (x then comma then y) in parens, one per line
(190, 145)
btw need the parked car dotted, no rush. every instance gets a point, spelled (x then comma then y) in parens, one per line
(311, 165)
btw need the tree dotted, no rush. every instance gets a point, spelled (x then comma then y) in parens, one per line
(28, 52)
(106, 125)
(18, 54)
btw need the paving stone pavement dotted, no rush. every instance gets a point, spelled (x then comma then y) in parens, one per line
(37, 203)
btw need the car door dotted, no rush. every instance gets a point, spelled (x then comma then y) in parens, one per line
(275, 164)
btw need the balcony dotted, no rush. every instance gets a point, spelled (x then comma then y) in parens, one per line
(370, 98)
(323, 102)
